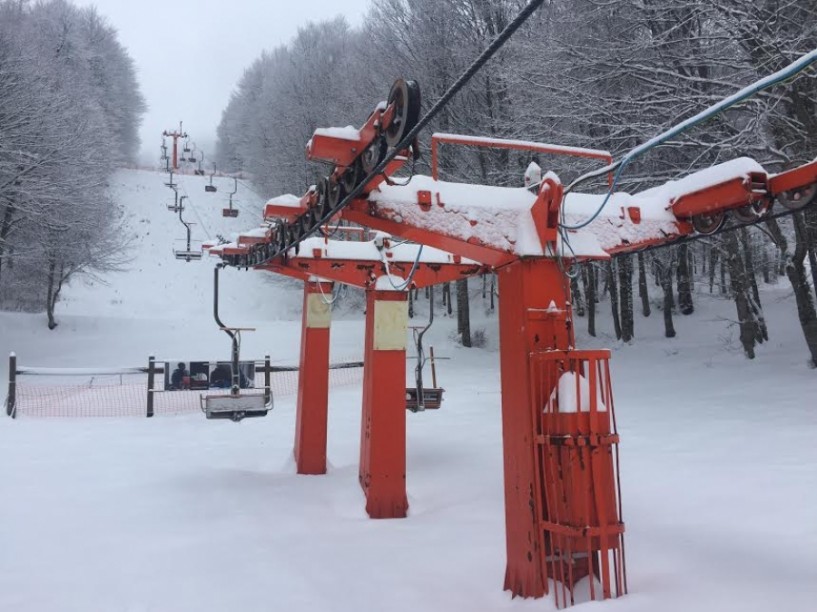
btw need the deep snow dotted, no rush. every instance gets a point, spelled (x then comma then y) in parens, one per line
(719, 463)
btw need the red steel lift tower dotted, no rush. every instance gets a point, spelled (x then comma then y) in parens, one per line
(379, 266)
(175, 135)
(560, 442)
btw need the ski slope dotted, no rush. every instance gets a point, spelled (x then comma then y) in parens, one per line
(719, 463)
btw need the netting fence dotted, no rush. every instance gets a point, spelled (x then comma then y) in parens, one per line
(141, 391)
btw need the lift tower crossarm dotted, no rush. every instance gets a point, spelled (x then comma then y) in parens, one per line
(356, 263)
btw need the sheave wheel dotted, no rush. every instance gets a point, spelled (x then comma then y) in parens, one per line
(372, 156)
(752, 212)
(708, 223)
(798, 198)
(405, 95)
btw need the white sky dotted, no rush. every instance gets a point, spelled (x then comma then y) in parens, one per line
(190, 54)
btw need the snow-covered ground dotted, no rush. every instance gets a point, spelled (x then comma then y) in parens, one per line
(719, 461)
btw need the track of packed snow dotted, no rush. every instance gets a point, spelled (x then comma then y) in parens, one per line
(718, 454)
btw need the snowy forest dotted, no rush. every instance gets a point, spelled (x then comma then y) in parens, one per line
(606, 75)
(70, 109)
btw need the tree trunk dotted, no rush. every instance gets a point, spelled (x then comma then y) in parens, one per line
(723, 277)
(642, 286)
(664, 274)
(463, 312)
(812, 263)
(740, 292)
(795, 271)
(447, 298)
(578, 302)
(748, 260)
(611, 286)
(50, 298)
(685, 304)
(625, 286)
(588, 276)
(713, 264)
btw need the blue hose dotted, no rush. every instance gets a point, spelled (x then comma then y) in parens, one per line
(781, 75)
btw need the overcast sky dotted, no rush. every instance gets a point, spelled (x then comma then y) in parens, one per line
(190, 54)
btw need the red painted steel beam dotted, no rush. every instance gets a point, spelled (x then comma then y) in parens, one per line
(370, 215)
(729, 194)
(516, 145)
(796, 178)
(364, 273)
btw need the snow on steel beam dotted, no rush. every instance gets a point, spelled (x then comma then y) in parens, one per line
(495, 225)
(286, 207)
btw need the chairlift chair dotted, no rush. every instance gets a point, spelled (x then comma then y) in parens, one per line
(200, 171)
(236, 405)
(211, 188)
(187, 254)
(231, 212)
(177, 206)
(418, 397)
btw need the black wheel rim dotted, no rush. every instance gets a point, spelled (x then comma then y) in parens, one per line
(334, 194)
(372, 156)
(708, 223)
(351, 177)
(751, 212)
(799, 198)
(405, 95)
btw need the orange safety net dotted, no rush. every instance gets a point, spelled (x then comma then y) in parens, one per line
(125, 395)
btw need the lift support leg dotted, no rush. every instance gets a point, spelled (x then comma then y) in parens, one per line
(383, 427)
(313, 380)
(533, 316)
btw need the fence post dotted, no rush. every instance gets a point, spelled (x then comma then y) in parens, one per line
(267, 379)
(12, 394)
(151, 374)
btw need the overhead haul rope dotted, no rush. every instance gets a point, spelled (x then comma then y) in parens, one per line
(781, 75)
(408, 139)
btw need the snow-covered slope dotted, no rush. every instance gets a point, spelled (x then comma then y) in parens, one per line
(155, 285)
(719, 464)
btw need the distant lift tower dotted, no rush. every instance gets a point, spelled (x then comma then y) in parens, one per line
(175, 135)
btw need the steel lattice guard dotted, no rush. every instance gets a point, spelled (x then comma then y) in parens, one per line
(579, 497)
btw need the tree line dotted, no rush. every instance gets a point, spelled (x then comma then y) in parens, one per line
(607, 75)
(70, 110)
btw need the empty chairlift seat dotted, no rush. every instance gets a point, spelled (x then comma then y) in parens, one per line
(236, 406)
(428, 398)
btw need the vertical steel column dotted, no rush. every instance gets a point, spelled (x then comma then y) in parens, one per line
(534, 315)
(11, 398)
(151, 382)
(313, 380)
(383, 427)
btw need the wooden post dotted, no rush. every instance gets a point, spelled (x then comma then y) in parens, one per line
(151, 375)
(11, 399)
